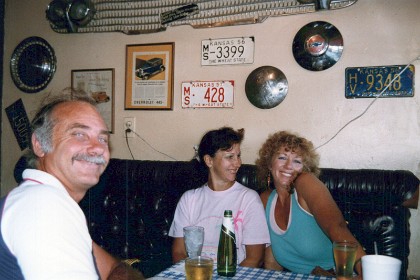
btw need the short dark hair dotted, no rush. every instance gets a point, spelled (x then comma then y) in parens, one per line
(42, 124)
(219, 139)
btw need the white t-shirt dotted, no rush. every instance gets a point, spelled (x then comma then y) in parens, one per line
(46, 230)
(205, 207)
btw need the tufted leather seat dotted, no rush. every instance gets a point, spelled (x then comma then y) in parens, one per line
(130, 210)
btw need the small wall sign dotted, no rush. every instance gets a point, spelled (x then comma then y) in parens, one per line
(207, 94)
(20, 123)
(179, 13)
(238, 50)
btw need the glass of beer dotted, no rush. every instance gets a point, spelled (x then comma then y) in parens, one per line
(199, 268)
(344, 257)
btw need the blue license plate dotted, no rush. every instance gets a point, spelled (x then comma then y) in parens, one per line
(365, 82)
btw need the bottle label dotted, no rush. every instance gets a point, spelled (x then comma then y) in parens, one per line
(228, 230)
(228, 224)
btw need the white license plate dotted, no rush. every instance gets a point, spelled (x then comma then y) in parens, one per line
(207, 94)
(238, 50)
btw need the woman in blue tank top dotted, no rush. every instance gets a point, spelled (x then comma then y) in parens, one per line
(302, 217)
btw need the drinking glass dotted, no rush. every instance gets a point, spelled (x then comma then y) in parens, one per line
(344, 257)
(193, 239)
(199, 268)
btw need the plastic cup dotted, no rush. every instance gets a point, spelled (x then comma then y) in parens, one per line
(193, 239)
(344, 257)
(376, 267)
(199, 268)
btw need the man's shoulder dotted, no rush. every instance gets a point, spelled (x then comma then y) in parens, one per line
(34, 196)
(34, 189)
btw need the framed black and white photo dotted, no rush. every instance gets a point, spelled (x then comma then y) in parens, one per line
(99, 84)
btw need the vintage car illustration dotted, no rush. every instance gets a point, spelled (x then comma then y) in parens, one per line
(100, 96)
(148, 68)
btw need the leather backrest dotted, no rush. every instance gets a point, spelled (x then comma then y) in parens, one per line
(130, 210)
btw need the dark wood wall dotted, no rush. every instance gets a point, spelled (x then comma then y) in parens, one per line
(1, 69)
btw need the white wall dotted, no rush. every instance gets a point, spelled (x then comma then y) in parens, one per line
(375, 32)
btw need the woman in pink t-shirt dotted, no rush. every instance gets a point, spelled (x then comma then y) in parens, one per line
(219, 151)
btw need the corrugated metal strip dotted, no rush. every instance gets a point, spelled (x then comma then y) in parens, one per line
(139, 17)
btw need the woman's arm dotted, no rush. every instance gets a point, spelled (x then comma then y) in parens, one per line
(104, 261)
(254, 255)
(178, 250)
(315, 197)
(269, 260)
(255, 231)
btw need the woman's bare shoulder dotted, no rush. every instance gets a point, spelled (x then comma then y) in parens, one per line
(306, 179)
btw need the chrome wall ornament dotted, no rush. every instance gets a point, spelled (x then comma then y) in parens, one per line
(142, 17)
(317, 46)
(33, 64)
(70, 14)
(266, 87)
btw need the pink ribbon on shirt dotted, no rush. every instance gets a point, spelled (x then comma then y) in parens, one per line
(236, 220)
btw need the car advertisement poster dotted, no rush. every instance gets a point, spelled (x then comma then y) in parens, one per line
(149, 76)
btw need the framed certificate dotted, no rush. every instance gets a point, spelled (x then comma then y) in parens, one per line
(98, 83)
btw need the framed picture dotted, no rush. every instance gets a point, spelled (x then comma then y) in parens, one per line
(149, 76)
(99, 83)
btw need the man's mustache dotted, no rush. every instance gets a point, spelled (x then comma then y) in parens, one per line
(92, 159)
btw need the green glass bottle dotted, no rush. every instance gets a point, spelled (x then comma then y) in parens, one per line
(226, 252)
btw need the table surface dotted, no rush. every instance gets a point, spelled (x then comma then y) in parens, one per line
(177, 271)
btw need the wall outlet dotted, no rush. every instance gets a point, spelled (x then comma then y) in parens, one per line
(129, 123)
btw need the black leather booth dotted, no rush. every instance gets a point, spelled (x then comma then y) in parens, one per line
(131, 209)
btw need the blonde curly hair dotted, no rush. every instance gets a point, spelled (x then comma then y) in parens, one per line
(291, 142)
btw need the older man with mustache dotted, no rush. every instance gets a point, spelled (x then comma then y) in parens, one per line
(44, 234)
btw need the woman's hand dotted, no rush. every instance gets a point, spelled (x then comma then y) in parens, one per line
(269, 260)
(254, 256)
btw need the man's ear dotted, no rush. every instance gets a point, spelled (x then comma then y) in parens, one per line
(36, 145)
(208, 160)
